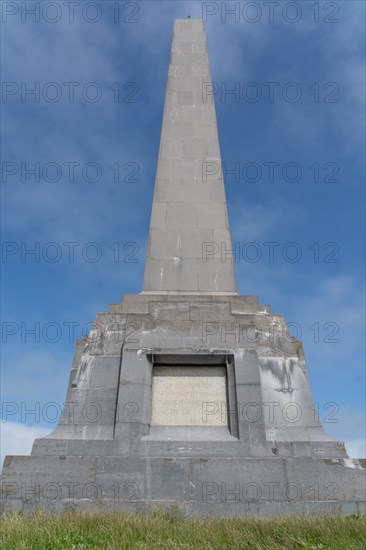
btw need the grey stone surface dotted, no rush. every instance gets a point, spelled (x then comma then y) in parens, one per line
(272, 457)
(192, 486)
(187, 205)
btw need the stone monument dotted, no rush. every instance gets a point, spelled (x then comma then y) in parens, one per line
(188, 396)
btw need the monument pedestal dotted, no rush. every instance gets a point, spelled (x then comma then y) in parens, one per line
(258, 450)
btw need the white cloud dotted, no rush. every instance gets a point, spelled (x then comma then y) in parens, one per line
(356, 448)
(337, 300)
(17, 439)
(32, 371)
(350, 428)
(261, 221)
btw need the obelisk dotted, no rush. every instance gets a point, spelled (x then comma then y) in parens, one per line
(188, 396)
(189, 207)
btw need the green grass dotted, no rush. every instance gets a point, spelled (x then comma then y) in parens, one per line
(75, 530)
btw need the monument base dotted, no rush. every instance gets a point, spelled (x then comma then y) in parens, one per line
(190, 486)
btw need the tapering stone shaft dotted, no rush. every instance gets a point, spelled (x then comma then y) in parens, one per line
(189, 246)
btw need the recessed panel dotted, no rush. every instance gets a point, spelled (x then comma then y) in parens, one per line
(189, 396)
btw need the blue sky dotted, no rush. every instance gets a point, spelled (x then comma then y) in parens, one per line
(318, 137)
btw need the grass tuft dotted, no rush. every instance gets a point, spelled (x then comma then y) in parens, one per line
(120, 530)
